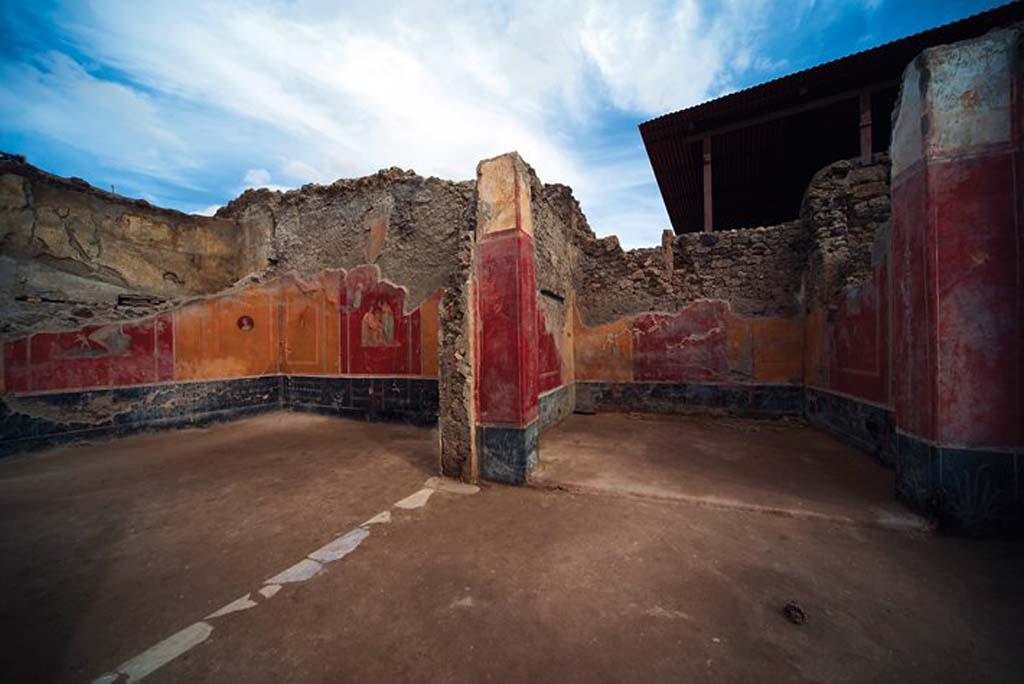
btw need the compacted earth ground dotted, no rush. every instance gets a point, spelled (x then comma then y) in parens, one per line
(666, 553)
(771, 466)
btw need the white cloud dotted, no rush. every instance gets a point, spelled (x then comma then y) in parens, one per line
(257, 177)
(303, 91)
(207, 211)
(300, 171)
(53, 95)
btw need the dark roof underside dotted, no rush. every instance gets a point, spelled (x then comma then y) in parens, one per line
(767, 141)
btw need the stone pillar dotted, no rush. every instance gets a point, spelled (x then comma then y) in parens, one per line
(957, 273)
(506, 323)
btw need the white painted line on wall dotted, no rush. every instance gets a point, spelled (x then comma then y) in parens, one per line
(379, 519)
(269, 590)
(340, 547)
(444, 484)
(159, 655)
(300, 572)
(417, 500)
(242, 603)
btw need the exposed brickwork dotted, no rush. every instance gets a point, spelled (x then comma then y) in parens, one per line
(407, 224)
(759, 271)
(846, 207)
(756, 270)
(455, 367)
(71, 254)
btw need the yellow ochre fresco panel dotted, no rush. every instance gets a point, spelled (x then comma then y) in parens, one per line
(227, 337)
(567, 346)
(738, 341)
(428, 334)
(778, 349)
(605, 352)
(815, 371)
(311, 318)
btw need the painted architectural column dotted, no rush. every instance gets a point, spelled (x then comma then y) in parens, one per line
(957, 282)
(506, 322)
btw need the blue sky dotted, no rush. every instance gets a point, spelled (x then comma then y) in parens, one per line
(185, 104)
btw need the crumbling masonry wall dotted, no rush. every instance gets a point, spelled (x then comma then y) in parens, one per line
(364, 296)
(555, 214)
(705, 322)
(847, 361)
(126, 316)
(71, 254)
(408, 225)
(456, 417)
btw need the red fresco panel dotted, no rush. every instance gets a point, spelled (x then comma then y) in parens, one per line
(72, 360)
(95, 356)
(343, 302)
(528, 357)
(860, 341)
(165, 347)
(979, 294)
(379, 333)
(507, 320)
(413, 343)
(548, 357)
(137, 364)
(17, 374)
(686, 347)
(913, 335)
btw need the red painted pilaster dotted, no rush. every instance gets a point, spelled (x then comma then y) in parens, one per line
(506, 296)
(506, 347)
(957, 238)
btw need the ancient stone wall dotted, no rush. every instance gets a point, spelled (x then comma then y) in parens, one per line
(847, 298)
(555, 219)
(73, 254)
(957, 301)
(716, 320)
(455, 371)
(757, 270)
(726, 320)
(120, 316)
(846, 208)
(407, 225)
(338, 344)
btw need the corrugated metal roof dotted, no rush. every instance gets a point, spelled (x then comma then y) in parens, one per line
(887, 61)
(810, 97)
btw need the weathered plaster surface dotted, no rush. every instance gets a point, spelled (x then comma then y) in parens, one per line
(407, 225)
(73, 254)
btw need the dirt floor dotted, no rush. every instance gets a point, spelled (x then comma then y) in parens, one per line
(109, 548)
(775, 466)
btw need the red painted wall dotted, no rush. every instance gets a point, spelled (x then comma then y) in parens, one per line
(913, 335)
(689, 346)
(549, 358)
(858, 340)
(144, 352)
(979, 300)
(363, 299)
(134, 353)
(507, 363)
